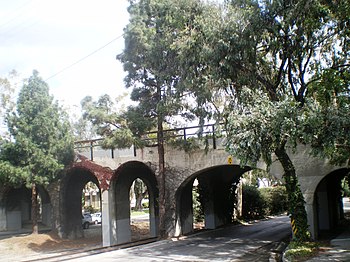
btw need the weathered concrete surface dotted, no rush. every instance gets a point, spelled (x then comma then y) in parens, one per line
(182, 168)
(213, 165)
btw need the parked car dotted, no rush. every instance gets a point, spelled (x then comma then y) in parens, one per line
(86, 220)
(96, 218)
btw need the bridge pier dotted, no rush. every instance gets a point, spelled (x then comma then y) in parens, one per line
(108, 224)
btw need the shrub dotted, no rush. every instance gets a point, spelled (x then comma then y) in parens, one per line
(253, 204)
(275, 199)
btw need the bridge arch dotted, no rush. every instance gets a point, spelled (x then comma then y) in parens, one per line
(328, 203)
(121, 182)
(72, 186)
(216, 183)
(16, 208)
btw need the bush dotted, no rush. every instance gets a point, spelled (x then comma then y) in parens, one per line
(275, 199)
(301, 251)
(253, 204)
(257, 203)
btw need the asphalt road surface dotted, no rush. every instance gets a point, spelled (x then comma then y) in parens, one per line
(251, 242)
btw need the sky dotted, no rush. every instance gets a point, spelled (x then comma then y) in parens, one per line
(72, 43)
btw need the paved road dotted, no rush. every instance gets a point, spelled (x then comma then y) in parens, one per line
(238, 243)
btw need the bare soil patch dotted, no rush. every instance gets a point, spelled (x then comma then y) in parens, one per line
(22, 245)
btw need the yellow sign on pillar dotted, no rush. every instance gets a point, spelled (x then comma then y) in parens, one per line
(230, 160)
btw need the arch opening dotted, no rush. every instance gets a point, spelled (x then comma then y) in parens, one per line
(331, 202)
(220, 195)
(125, 176)
(206, 199)
(139, 210)
(17, 210)
(80, 198)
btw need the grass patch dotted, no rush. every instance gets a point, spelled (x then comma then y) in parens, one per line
(139, 213)
(301, 251)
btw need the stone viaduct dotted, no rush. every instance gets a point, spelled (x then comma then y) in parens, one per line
(114, 172)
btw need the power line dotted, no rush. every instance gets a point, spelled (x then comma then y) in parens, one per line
(13, 12)
(85, 57)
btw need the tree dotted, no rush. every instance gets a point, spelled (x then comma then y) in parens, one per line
(140, 192)
(277, 62)
(8, 87)
(41, 143)
(110, 123)
(152, 71)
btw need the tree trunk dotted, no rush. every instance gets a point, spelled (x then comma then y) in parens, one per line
(138, 190)
(35, 229)
(161, 171)
(296, 201)
(161, 177)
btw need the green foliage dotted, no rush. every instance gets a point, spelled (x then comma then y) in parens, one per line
(149, 59)
(253, 204)
(108, 122)
(275, 199)
(145, 205)
(41, 142)
(257, 127)
(187, 145)
(345, 186)
(198, 213)
(300, 251)
(261, 202)
(273, 59)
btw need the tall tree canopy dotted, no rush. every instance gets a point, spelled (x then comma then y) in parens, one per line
(284, 68)
(152, 71)
(276, 72)
(41, 143)
(110, 122)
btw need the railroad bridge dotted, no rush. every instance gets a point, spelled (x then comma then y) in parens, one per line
(114, 171)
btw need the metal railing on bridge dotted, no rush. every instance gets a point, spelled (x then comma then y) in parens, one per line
(175, 136)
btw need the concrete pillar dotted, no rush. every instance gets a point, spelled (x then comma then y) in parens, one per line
(14, 220)
(46, 214)
(3, 220)
(109, 237)
(311, 211)
(187, 210)
(209, 214)
(153, 218)
(323, 210)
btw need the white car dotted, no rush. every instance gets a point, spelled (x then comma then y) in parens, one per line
(96, 218)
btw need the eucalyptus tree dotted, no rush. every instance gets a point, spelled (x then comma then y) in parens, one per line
(108, 122)
(281, 64)
(41, 143)
(150, 62)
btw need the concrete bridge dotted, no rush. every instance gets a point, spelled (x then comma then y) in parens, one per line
(114, 171)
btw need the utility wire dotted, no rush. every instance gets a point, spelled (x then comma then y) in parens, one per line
(14, 12)
(85, 57)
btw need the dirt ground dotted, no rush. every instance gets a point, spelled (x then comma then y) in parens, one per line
(28, 244)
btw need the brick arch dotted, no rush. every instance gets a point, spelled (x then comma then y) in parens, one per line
(102, 174)
(72, 184)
